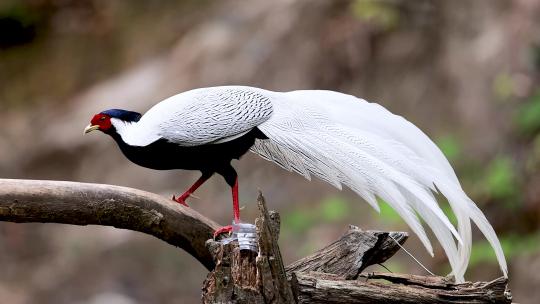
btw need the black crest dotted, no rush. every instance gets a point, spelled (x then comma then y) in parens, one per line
(123, 115)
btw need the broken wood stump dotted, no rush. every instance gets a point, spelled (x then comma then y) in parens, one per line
(330, 275)
(244, 276)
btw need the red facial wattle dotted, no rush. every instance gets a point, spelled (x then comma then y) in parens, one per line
(101, 120)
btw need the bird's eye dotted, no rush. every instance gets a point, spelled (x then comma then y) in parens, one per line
(102, 118)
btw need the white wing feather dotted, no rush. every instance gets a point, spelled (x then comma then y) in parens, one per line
(345, 140)
(201, 116)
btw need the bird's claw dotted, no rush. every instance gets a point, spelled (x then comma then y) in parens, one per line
(181, 200)
(226, 229)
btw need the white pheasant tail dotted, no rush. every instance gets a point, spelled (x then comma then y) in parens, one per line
(345, 140)
(338, 138)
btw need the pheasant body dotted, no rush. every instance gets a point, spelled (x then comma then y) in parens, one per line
(341, 139)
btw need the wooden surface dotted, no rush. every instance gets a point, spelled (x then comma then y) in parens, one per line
(376, 288)
(351, 253)
(25, 201)
(243, 276)
(276, 288)
(330, 275)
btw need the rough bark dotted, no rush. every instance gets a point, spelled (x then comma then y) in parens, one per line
(328, 288)
(243, 276)
(352, 253)
(25, 201)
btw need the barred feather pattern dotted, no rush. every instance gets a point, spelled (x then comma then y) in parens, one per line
(201, 116)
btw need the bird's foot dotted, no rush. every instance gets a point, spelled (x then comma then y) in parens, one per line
(222, 230)
(181, 199)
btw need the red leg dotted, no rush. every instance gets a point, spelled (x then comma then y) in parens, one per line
(236, 210)
(182, 198)
(236, 205)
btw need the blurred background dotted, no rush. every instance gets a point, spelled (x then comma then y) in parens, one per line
(466, 72)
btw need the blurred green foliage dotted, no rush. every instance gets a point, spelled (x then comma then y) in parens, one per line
(535, 56)
(532, 163)
(447, 209)
(501, 181)
(450, 146)
(381, 13)
(503, 86)
(528, 115)
(388, 214)
(394, 266)
(331, 209)
(513, 245)
(297, 220)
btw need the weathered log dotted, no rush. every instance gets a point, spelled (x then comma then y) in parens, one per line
(329, 288)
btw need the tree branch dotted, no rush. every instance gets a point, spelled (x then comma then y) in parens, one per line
(331, 275)
(25, 201)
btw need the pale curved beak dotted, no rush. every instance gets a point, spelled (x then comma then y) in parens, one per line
(90, 128)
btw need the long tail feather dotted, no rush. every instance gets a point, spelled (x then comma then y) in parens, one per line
(347, 141)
